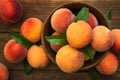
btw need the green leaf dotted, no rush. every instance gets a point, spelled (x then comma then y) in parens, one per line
(88, 51)
(82, 14)
(20, 39)
(57, 39)
(92, 71)
(108, 14)
(27, 67)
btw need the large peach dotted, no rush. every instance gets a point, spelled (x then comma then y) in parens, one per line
(92, 20)
(31, 29)
(79, 34)
(108, 65)
(69, 59)
(14, 52)
(102, 39)
(4, 74)
(61, 19)
(37, 57)
(116, 45)
(54, 46)
(10, 11)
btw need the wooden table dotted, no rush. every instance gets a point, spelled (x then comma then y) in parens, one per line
(41, 9)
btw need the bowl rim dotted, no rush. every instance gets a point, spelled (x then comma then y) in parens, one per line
(62, 6)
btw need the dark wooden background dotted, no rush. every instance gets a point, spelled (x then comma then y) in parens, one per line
(41, 9)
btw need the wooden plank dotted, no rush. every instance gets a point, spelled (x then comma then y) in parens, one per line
(42, 9)
(57, 75)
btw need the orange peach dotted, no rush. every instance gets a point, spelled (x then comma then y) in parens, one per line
(69, 59)
(37, 57)
(79, 34)
(11, 11)
(14, 52)
(31, 29)
(4, 74)
(54, 46)
(108, 65)
(60, 19)
(116, 45)
(102, 39)
(92, 20)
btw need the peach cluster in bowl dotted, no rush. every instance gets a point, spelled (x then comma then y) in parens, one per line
(94, 33)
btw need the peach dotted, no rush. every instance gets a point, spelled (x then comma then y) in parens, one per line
(11, 11)
(31, 29)
(54, 46)
(102, 39)
(4, 74)
(108, 65)
(92, 20)
(37, 57)
(69, 59)
(14, 52)
(116, 45)
(79, 34)
(60, 19)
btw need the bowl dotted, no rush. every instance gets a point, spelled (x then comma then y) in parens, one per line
(74, 7)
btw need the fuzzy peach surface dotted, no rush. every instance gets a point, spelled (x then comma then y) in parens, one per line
(69, 59)
(31, 29)
(37, 57)
(14, 52)
(4, 74)
(79, 34)
(108, 65)
(102, 39)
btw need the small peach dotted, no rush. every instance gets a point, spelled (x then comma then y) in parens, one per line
(102, 39)
(108, 65)
(61, 19)
(54, 46)
(92, 20)
(31, 29)
(10, 11)
(37, 57)
(14, 52)
(116, 45)
(79, 34)
(4, 74)
(69, 59)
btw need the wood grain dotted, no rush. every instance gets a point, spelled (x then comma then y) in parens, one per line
(41, 9)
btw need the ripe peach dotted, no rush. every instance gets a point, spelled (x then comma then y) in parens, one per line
(92, 20)
(4, 74)
(37, 57)
(69, 59)
(31, 29)
(79, 34)
(61, 19)
(54, 46)
(116, 45)
(108, 65)
(102, 39)
(14, 52)
(10, 11)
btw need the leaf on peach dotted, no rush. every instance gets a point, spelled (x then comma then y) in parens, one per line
(82, 14)
(57, 39)
(108, 14)
(20, 39)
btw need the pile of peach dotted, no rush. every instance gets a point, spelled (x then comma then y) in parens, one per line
(70, 58)
(31, 28)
